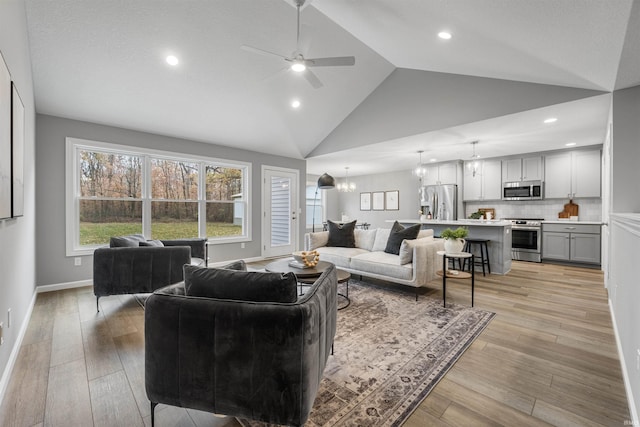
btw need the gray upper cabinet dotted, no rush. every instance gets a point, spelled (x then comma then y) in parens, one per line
(522, 169)
(572, 174)
(486, 184)
(443, 173)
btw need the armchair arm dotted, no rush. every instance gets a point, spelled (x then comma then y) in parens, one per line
(256, 360)
(198, 245)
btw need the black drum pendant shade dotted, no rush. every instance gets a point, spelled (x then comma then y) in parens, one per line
(326, 181)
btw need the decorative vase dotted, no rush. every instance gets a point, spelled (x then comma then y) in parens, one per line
(453, 245)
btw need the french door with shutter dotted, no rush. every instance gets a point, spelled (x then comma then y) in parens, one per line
(279, 211)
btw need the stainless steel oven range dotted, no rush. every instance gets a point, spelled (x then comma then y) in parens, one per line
(526, 239)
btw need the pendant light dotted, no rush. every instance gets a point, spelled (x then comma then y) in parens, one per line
(420, 171)
(474, 164)
(346, 186)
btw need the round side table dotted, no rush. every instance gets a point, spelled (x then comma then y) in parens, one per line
(455, 274)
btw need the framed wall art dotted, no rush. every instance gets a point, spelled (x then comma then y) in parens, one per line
(392, 200)
(5, 140)
(365, 201)
(17, 153)
(377, 202)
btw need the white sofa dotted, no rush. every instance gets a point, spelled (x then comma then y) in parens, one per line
(416, 265)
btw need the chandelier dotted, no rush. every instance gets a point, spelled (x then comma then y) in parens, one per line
(420, 171)
(474, 164)
(346, 186)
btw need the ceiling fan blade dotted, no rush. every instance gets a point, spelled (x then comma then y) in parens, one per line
(262, 52)
(313, 79)
(331, 62)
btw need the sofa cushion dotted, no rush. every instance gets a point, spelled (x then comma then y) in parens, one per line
(151, 243)
(131, 241)
(341, 257)
(342, 235)
(365, 238)
(240, 285)
(398, 234)
(383, 264)
(316, 240)
(406, 248)
(425, 232)
(382, 235)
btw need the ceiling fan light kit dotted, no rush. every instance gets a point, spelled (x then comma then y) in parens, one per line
(301, 64)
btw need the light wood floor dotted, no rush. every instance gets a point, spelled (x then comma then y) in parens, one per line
(548, 357)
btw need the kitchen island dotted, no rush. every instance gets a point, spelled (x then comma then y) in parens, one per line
(496, 231)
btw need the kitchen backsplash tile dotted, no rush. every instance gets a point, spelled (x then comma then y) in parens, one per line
(589, 209)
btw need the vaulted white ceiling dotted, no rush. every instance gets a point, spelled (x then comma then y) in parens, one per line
(103, 62)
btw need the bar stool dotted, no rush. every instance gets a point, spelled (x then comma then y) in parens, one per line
(483, 259)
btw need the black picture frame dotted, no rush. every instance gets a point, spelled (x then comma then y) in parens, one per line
(365, 201)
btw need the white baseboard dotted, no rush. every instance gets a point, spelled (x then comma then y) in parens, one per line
(61, 286)
(625, 374)
(6, 376)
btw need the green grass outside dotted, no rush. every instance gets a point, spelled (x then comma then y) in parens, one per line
(96, 234)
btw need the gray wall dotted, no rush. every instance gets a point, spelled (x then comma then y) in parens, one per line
(53, 266)
(622, 278)
(625, 177)
(17, 236)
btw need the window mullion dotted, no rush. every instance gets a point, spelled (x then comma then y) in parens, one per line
(146, 196)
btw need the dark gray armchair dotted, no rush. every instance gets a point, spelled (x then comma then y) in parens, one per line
(258, 360)
(134, 265)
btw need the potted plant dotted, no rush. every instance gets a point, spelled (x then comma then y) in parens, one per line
(454, 239)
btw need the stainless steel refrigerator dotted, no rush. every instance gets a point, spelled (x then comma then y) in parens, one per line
(440, 200)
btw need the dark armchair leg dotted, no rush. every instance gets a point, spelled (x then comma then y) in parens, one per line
(153, 413)
(97, 305)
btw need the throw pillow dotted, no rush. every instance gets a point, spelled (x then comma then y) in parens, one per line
(157, 243)
(342, 235)
(398, 234)
(406, 248)
(425, 232)
(132, 241)
(240, 285)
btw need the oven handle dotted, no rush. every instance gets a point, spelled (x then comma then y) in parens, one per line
(525, 228)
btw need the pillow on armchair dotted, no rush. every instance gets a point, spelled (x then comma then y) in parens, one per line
(224, 283)
(131, 241)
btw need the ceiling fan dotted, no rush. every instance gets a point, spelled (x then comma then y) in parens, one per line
(300, 64)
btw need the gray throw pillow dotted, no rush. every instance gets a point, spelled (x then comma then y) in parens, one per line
(398, 234)
(157, 243)
(342, 235)
(240, 285)
(131, 241)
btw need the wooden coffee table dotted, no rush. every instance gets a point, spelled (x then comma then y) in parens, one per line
(308, 276)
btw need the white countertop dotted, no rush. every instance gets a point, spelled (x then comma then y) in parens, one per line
(460, 222)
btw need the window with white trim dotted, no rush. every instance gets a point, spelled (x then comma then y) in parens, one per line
(114, 190)
(314, 207)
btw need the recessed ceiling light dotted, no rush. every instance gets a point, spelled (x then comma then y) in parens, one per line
(551, 120)
(433, 160)
(445, 35)
(570, 144)
(172, 60)
(295, 103)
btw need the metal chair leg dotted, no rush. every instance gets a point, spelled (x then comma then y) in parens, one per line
(97, 305)
(153, 413)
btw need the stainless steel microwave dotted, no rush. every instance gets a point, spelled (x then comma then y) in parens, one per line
(522, 190)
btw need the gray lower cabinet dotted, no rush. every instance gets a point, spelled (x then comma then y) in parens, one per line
(571, 242)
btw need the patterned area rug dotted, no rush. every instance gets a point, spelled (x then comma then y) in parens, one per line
(390, 352)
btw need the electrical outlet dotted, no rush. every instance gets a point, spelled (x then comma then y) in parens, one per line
(242, 245)
(77, 261)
